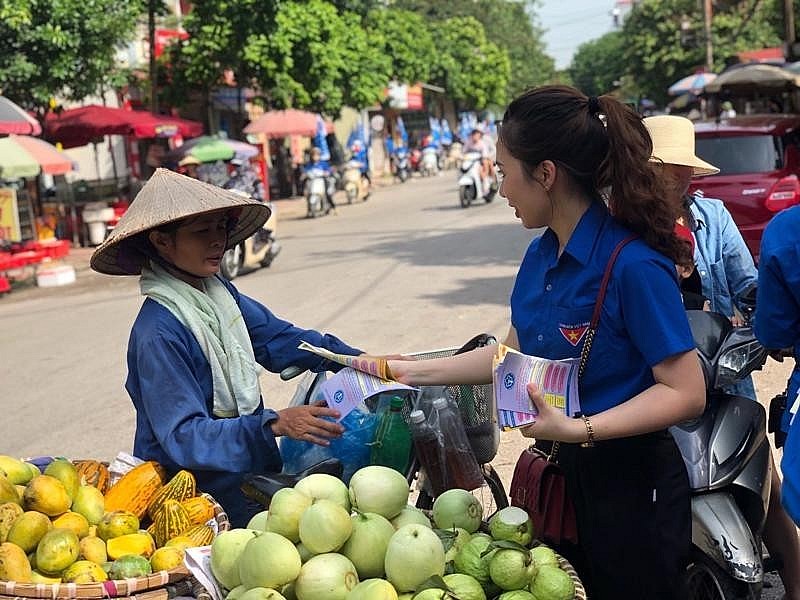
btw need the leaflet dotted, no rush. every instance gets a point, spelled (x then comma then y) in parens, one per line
(348, 389)
(557, 380)
(374, 365)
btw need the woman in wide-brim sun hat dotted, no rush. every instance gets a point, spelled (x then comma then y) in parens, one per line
(197, 346)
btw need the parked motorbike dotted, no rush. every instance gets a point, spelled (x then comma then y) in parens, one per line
(259, 250)
(317, 192)
(356, 184)
(415, 159)
(429, 164)
(727, 456)
(401, 164)
(471, 185)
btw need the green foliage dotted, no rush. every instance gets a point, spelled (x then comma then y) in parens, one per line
(598, 64)
(473, 70)
(62, 48)
(405, 37)
(653, 50)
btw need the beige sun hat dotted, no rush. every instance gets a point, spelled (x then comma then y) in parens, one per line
(673, 143)
(189, 160)
(165, 198)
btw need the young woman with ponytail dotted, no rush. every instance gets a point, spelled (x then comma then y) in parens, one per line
(579, 167)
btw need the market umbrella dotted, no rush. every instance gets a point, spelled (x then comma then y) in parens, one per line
(283, 123)
(755, 77)
(24, 156)
(13, 119)
(693, 84)
(209, 149)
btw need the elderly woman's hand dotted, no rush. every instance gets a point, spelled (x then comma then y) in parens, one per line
(306, 423)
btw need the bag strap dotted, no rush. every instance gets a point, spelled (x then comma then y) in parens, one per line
(588, 338)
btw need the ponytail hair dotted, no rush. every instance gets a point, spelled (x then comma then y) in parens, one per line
(600, 144)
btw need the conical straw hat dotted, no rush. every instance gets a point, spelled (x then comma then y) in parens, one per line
(673, 143)
(168, 197)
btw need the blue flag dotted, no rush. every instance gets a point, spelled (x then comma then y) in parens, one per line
(320, 141)
(401, 129)
(447, 135)
(436, 132)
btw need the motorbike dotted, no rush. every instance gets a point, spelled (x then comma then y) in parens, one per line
(356, 185)
(317, 192)
(415, 159)
(429, 163)
(727, 456)
(471, 185)
(401, 164)
(259, 250)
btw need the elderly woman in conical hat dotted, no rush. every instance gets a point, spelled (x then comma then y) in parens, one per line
(726, 270)
(197, 345)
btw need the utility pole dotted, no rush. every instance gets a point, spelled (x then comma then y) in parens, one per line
(707, 30)
(788, 29)
(151, 40)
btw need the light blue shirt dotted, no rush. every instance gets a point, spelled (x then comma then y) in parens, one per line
(723, 261)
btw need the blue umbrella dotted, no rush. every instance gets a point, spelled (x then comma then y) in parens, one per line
(693, 84)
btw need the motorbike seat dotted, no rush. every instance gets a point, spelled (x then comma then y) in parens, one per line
(709, 330)
(261, 488)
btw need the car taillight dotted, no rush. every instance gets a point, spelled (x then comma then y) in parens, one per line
(783, 194)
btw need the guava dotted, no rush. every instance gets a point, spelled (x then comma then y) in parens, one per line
(511, 569)
(470, 562)
(516, 595)
(512, 523)
(543, 556)
(465, 587)
(551, 583)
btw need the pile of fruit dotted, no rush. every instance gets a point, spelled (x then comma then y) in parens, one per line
(324, 541)
(65, 523)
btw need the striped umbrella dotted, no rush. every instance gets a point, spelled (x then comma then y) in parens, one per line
(13, 119)
(693, 84)
(25, 156)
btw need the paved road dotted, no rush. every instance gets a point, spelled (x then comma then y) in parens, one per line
(408, 270)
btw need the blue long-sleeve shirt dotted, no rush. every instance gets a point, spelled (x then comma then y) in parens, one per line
(169, 382)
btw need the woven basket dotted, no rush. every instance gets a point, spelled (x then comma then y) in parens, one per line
(580, 591)
(157, 586)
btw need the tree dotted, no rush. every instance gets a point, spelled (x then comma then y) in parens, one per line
(473, 70)
(655, 56)
(406, 39)
(62, 48)
(598, 64)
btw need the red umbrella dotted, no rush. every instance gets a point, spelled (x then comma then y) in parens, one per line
(283, 123)
(15, 120)
(80, 126)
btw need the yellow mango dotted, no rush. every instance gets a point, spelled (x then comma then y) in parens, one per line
(94, 549)
(141, 544)
(166, 558)
(47, 495)
(28, 529)
(14, 565)
(73, 521)
(84, 571)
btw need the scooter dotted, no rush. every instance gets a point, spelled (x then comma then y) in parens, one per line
(317, 192)
(356, 185)
(259, 250)
(429, 164)
(471, 185)
(401, 164)
(727, 456)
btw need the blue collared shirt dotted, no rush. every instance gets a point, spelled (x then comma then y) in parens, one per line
(642, 321)
(169, 382)
(723, 261)
(777, 321)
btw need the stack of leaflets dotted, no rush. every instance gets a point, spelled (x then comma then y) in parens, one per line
(556, 379)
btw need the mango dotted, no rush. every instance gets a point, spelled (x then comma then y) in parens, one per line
(33, 469)
(57, 550)
(8, 493)
(126, 567)
(47, 495)
(37, 577)
(17, 472)
(28, 529)
(84, 571)
(181, 541)
(9, 512)
(117, 523)
(133, 543)
(63, 470)
(73, 521)
(92, 548)
(90, 503)
(14, 565)
(166, 558)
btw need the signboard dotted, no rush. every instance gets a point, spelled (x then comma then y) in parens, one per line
(404, 97)
(9, 217)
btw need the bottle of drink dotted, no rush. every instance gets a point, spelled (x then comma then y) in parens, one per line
(429, 449)
(392, 445)
(463, 469)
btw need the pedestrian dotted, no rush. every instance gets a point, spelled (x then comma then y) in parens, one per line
(727, 272)
(777, 326)
(558, 150)
(198, 345)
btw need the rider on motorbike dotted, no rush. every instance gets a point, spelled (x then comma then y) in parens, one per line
(476, 143)
(244, 179)
(316, 163)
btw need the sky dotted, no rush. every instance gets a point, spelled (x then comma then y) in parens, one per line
(569, 23)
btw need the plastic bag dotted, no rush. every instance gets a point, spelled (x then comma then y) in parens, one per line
(352, 448)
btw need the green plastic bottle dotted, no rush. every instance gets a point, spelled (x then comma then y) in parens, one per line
(392, 445)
